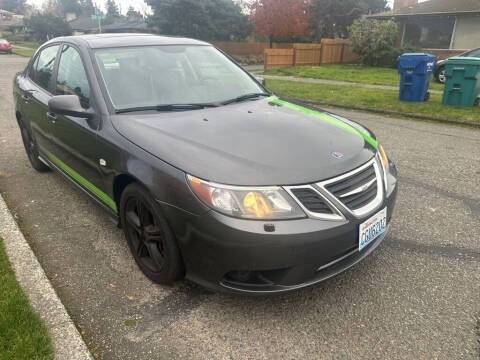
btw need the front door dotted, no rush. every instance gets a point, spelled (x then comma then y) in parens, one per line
(74, 139)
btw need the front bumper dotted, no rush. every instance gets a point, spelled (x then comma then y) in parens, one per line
(239, 256)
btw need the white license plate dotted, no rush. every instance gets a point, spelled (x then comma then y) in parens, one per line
(369, 230)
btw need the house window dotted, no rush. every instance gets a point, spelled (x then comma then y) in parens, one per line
(432, 32)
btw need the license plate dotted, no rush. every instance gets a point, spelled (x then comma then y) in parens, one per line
(369, 230)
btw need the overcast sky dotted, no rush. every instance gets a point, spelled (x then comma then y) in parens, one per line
(137, 4)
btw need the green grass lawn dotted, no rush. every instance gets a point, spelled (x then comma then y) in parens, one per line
(351, 73)
(23, 52)
(30, 44)
(22, 334)
(372, 98)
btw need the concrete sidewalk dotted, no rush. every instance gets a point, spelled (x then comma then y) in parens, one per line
(334, 82)
(66, 340)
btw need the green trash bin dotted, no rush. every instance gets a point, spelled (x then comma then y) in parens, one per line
(462, 84)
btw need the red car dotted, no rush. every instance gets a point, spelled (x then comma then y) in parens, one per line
(5, 46)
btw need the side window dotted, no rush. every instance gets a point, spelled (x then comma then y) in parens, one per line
(474, 53)
(42, 69)
(31, 72)
(71, 76)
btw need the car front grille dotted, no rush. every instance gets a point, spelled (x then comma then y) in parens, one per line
(311, 200)
(357, 190)
(360, 191)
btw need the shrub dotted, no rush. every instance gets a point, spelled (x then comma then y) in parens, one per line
(5, 34)
(16, 38)
(390, 59)
(373, 40)
(47, 26)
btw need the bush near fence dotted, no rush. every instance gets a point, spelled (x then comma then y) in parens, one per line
(329, 51)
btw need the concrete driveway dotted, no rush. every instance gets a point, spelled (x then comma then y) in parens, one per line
(416, 297)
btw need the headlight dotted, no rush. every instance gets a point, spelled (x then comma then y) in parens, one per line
(384, 159)
(247, 202)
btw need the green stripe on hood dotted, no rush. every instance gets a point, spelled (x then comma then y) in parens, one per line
(325, 117)
(81, 180)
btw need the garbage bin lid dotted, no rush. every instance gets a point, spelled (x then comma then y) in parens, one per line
(417, 54)
(412, 60)
(463, 60)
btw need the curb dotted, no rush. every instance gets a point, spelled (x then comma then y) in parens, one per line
(389, 112)
(66, 339)
(337, 83)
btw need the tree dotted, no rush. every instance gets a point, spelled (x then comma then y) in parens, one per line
(279, 18)
(112, 9)
(132, 13)
(373, 40)
(331, 18)
(201, 19)
(47, 26)
(62, 7)
(70, 6)
(15, 6)
(87, 6)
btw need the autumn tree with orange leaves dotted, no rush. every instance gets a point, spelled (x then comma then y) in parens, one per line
(279, 18)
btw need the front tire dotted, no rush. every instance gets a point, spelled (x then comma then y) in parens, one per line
(32, 150)
(149, 237)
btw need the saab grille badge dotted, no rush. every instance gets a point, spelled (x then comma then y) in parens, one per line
(337, 155)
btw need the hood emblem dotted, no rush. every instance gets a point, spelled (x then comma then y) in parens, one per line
(337, 155)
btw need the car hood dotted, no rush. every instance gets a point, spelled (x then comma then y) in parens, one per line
(250, 143)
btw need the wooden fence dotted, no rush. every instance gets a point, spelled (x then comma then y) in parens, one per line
(244, 48)
(329, 51)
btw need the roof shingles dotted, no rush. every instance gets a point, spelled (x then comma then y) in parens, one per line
(435, 7)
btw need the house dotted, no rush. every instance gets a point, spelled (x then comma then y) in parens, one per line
(83, 25)
(86, 25)
(10, 20)
(444, 27)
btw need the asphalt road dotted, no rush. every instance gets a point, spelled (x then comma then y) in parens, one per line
(416, 297)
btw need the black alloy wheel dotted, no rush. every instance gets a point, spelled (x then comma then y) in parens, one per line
(149, 236)
(32, 151)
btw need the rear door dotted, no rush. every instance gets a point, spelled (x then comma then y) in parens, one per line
(36, 90)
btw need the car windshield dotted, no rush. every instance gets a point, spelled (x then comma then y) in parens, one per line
(150, 76)
(2, 41)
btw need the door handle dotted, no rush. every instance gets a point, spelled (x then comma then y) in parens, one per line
(52, 117)
(27, 94)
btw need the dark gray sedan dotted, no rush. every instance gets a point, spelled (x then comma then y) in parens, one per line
(211, 176)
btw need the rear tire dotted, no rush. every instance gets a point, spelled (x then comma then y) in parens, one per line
(32, 150)
(149, 237)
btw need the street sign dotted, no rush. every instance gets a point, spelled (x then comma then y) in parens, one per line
(98, 17)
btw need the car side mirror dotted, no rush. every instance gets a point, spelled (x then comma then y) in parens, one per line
(261, 80)
(68, 105)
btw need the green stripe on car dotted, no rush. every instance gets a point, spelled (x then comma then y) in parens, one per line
(81, 180)
(325, 117)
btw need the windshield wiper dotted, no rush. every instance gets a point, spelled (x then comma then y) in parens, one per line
(167, 107)
(174, 107)
(244, 97)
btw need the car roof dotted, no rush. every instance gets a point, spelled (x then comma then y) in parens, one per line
(96, 41)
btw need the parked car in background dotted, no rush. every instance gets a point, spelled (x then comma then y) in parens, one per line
(5, 46)
(440, 70)
(211, 176)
